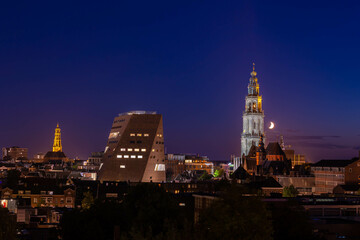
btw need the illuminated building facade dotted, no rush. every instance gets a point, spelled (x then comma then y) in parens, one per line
(253, 116)
(14, 153)
(299, 159)
(56, 156)
(329, 174)
(178, 163)
(57, 140)
(135, 149)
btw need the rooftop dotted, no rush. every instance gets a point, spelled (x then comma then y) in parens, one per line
(333, 163)
(136, 112)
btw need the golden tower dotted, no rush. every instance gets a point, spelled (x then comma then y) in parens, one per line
(57, 140)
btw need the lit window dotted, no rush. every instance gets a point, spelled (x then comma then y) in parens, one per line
(123, 149)
(139, 134)
(153, 150)
(132, 134)
(122, 166)
(159, 167)
(126, 156)
(143, 149)
(136, 149)
(140, 156)
(130, 149)
(160, 135)
(119, 156)
(133, 156)
(146, 134)
(113, 135)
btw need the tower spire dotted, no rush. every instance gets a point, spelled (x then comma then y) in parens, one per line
(57, 140)
(253, 116)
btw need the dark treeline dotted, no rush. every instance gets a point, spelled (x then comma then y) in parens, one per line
(149, 212)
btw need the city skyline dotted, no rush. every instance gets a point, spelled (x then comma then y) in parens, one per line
(83, 65)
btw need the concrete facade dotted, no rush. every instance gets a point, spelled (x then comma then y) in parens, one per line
(135, 149)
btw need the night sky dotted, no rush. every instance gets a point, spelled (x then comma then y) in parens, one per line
(80, 64)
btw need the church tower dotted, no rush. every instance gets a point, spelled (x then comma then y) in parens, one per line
(253, 116)
(57, 140)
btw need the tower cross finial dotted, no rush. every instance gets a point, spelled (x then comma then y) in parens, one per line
(253, 66)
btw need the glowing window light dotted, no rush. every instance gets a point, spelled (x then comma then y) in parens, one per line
(140, 156)
(160, 167)
(126, 156)
(133, 156)
(143, 149)
(119, 156)
(122, 166)
(113, 135)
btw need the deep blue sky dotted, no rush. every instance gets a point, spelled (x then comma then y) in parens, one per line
(80, 64)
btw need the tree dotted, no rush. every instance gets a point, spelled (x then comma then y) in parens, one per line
(146, 212)
(151, 211)
(206, 176)
(290, 191)
(290, 221)
(219, 173)
(87, 201)
(234, 216)
(7, 226)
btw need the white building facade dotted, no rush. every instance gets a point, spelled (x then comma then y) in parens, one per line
(253, 116)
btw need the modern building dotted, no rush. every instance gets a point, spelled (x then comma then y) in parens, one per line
(305, 185)
(299, 159)
(329, 174)
(178, 163)
(95, 158)
(235, 162)
(135, 149)
(352, 173)
(15, 153)
(253, 116)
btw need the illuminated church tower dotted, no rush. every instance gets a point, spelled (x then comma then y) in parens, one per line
(253, 116)
(57, 140)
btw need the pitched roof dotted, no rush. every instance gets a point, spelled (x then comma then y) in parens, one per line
(349, 187)
(262, 182)
(333, 163)
(274, 148)
(52, 154)
(252, 151)
(240, 173)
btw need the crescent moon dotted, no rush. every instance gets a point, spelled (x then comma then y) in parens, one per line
(272, 125)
